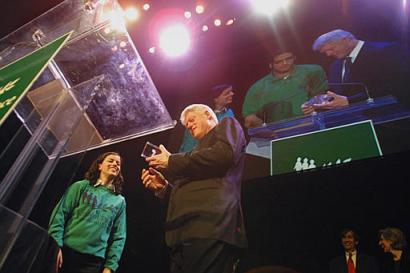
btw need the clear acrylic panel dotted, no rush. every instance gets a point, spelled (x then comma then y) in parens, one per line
(126, 104)
(24, 246)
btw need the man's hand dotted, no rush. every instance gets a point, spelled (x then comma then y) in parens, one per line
(224, 99)
(159, 161)
(307, 109)
(336, 101)
(153, 179)
(252, 121)
(59, 262)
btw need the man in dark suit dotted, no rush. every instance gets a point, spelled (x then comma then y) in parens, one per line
(381, 68)
(352, 261)
(204, 225)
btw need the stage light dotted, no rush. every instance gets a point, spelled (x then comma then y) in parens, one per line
(151, 50)
(199, 9)
(89, 6)
(230, 22)
(204, 28)
(217, 22)
(132, 14)
(174, 40)
(187, 14)
(107, 30)
(269, 7)
(146, 6)
(116, 18)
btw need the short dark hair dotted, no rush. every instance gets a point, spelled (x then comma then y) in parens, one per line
(344, 231)
(280, 50)
(283, 45)
(396, 236)
(218, 89)
(93, 172)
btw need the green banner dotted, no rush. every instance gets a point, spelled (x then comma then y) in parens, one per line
(17, 77)
(324, 148)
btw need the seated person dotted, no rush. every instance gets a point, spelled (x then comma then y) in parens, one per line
(222, 95)
(280, 94)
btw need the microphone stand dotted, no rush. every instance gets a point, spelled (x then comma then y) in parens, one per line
(369, 98)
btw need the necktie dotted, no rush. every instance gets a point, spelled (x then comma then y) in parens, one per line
(350, 265)
(347, 62)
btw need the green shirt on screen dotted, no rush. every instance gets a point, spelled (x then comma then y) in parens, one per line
(273, 99)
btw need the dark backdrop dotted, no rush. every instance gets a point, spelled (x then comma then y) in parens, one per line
(291, 219)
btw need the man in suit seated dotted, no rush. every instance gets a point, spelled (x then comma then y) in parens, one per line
(352, 261)
(204, 227)
(380, 67)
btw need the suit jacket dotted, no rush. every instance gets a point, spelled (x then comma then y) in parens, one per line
(382, 67)
(364, 264)
(205, 201)
(388, 264)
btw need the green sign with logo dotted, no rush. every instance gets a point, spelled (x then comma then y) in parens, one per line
(17, 77)
(323, 148)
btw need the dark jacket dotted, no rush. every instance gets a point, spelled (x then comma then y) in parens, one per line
(382, 67)
(388, 264)
(205, 201)
(364, 264)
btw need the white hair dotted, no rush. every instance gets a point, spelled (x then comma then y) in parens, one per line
(331, 36)
(199, 108)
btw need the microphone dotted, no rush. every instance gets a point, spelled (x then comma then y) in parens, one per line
(262, 114)
(369, 98)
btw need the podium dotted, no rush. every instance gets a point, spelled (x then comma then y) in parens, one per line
(381, 110)
(95, 92)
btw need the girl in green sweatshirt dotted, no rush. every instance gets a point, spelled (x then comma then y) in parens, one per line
(88, 222)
